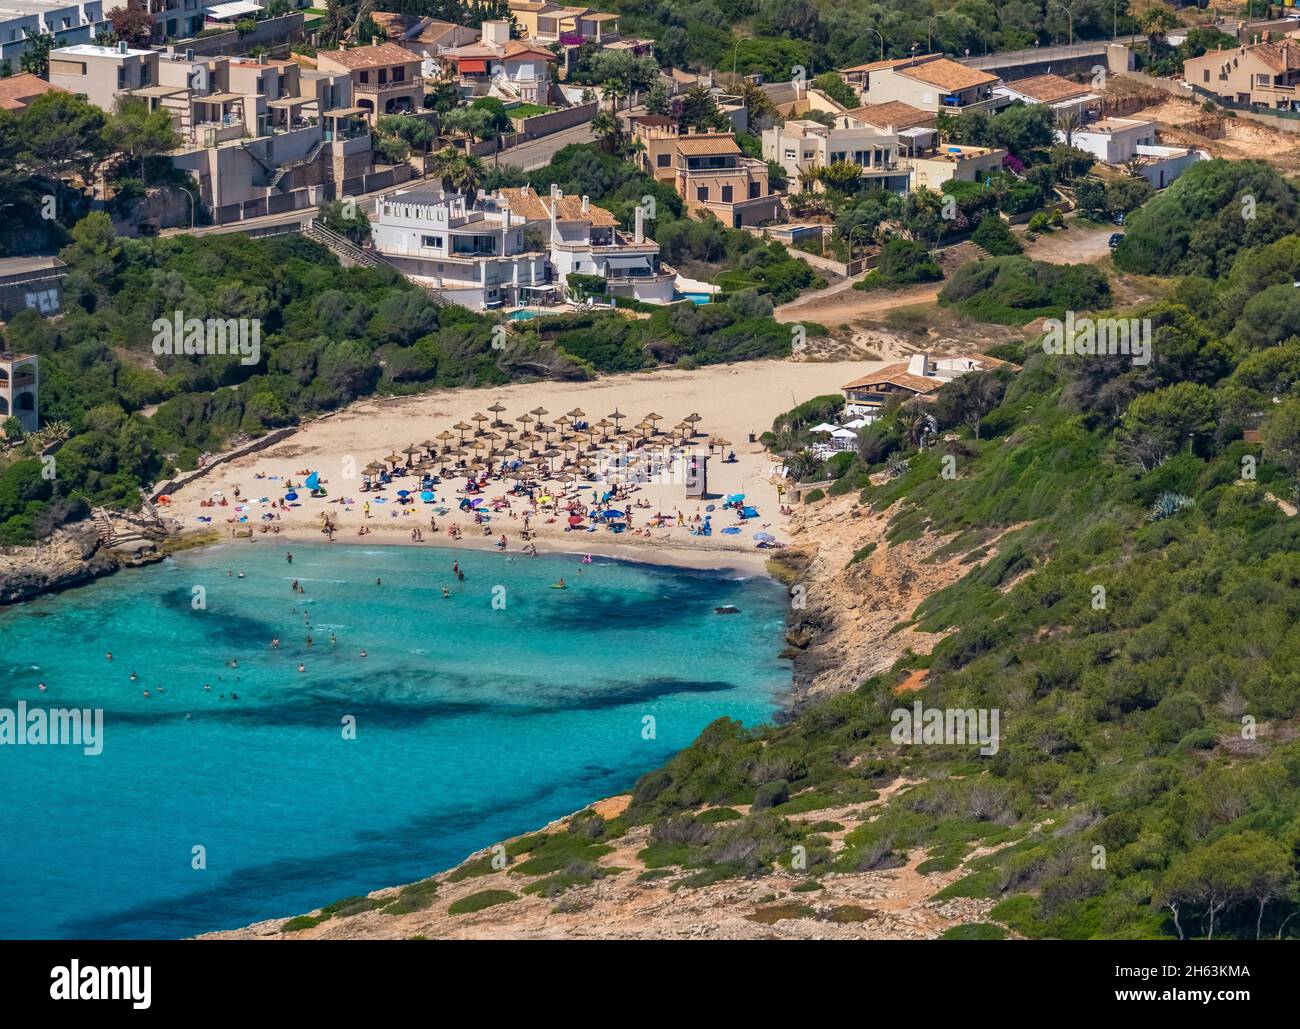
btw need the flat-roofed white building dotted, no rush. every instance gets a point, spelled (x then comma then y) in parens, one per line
(23, 20)
(1125, 140)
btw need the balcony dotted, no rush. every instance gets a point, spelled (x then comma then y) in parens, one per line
(415, 82)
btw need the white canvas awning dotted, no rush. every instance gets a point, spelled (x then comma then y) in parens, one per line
(222, 12)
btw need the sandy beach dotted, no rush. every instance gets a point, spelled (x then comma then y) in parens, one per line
(732, 401)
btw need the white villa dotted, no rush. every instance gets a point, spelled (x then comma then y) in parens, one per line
(584, 238)
(476, 256)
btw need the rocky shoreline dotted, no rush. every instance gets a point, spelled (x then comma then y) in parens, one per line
(72, 556)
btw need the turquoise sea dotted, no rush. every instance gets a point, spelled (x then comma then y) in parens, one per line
(474, 721)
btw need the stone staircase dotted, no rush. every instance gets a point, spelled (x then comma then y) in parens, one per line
(111, 537)
(352, 255)
(285, 169)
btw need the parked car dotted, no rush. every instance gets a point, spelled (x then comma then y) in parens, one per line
(1115, 238)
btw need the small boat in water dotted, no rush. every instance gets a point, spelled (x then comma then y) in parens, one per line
(726, 609)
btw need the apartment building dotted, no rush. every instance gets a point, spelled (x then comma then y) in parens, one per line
(250, 128)
(1261, 74)
(475, 255)
(929, 82)
(69, 23)
(497, 65)
(800, 146)
(182, 19)
(386, 78)
(584, 239)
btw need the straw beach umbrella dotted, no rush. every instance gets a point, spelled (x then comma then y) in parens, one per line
(445, 436)
(496, 410)
(618, 416)
(462, 428)
(479, 418)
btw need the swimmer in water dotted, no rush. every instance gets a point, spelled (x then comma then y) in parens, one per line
(302, 668)
(134, 677)
(146, 693)
(110, 655)
(379, 582)
(234, 696)
(207, 687)
(309, 641)
(41, 686)
(275, 643)
(289, 558)
(333, 638)
(363, 653)
(446, 592)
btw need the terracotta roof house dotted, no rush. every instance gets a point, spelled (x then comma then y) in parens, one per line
(919, 377)
(584, 239)
(425, 36)
(510, 69)
(894, 113)
(385, 77)
(17, 91)
(1263, 75)
(1058, 93)
(932, 83)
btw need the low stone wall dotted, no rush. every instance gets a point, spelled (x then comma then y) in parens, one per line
(272, 33)
(556, 121)
(252, 447)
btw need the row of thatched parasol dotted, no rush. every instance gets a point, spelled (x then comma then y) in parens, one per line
(483, 445)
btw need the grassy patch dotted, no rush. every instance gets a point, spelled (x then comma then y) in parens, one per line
(481, 900)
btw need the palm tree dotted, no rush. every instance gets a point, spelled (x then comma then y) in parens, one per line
(613, 90)
(462, 172)
(1068, 122)
(802, 465)
(607, 128)
(917, 424)
(808, 177)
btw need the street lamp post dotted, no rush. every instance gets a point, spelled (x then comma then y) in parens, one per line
(191, 196)
(882, 42)
(852, 230)
(1069, 18)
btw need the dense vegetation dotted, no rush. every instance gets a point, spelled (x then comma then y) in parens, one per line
(1214, 210)
(1015, 290)
(772, 36)
(1129, 609)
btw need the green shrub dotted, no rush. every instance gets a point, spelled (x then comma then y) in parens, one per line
(479, 901)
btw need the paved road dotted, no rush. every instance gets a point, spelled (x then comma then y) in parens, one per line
(1097, 47)
(539, 152)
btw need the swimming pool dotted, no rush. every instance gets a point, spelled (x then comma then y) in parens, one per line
(519, 316)
(696, 298)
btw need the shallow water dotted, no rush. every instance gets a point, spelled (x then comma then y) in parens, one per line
(474, 721)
